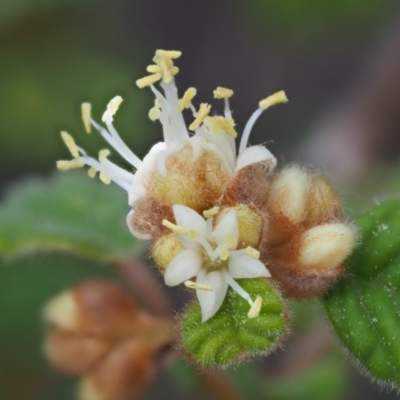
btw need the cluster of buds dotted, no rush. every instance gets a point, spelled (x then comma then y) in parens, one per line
(216, 213)
(99, 333)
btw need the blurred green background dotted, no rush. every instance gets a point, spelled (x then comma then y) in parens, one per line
(338, 62)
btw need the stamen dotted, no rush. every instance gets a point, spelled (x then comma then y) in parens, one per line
(279, 97)
(224, 254)
(65, 165)
(86, 112)
(211, 212)
(105, 178)
(70, 143)
(198, 286)
(230, 241)
(193, 235)
(175, 228)
(112, 108)
(255, 309)
(236, 287)
(162, 54)
(153, 69)
(92, 172)
(154, 113)
(222, 124)
(148, 80)
(252, 252)
(276, 98)
(187, 99)
(223, 93)
(166, 72)
(204, 110)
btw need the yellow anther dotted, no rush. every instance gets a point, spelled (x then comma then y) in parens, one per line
(222, 93)
(255, 309)
(193, 235)
(92, 172)
(187, 98)
(86, 113)
(252, 252)
(112, 108)
(148, 80)
(166, 54)
(154, 113)
(204, 110)
(70, 143)
(103, 154)
(198, 286)
(224, 254)
(220, 124)
(65, 165)
(230, 241)
(105, 178)
(153, 69)
(175, 228)
(276, 98)
(166, 71)
(211, 212)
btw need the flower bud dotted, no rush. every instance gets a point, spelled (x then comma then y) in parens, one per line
(194, 177)
(93, 307)
(165, 249)
(325, 247)
(250, 186)
(312, 261)
(251, 224)
(323, 202)
(63, 311)
(288, 194)
(74, 353)
(124, 374)
(145, 220)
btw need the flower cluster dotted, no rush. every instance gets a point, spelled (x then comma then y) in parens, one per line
(216, 213)
(97, 331)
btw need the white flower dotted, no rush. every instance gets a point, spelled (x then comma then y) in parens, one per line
(213, 134)
(212, 257)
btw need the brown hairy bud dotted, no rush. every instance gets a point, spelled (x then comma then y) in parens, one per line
(145, 220)
(310, 263)
(101, 334)
(74, 353)
(123, 375)
(249, 186)
(288, 194)
(323, 202)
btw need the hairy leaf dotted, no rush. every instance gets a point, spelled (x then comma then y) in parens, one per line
(68, 212)
(230, 336)
(364, 307)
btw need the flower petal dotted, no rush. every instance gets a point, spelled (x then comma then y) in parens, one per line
(211, 301)
(184, 266)
(243, 266)
(254, 154)
(227, 226)
(189, 218)
(137, 189)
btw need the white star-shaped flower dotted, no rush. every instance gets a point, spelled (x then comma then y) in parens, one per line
(212, 257)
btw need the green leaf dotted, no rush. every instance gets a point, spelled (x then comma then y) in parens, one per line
(70, 211)
(364, 306)
(327, 379)
(230, 336)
